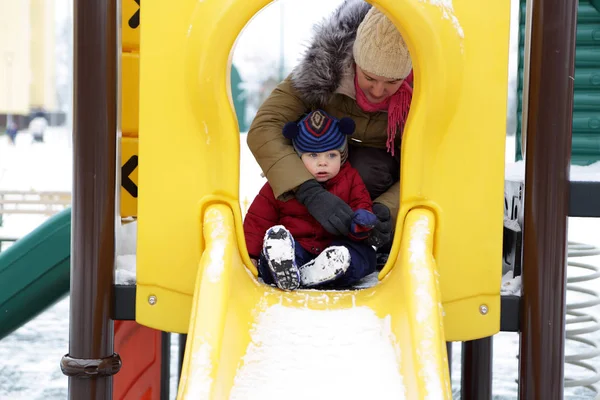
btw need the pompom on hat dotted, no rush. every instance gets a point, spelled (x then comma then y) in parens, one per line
(319, 132)
(380, 49)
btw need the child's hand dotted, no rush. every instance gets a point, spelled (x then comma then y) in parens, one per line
(362, 222)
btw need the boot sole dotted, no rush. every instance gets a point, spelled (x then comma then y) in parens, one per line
(285, 273)
(327, 273)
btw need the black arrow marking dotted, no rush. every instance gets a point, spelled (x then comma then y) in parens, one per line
(134, 21)
(126, 181)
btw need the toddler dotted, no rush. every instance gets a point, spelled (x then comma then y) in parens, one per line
(286, 243)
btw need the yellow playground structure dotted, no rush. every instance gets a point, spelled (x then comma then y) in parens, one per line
(442, 280)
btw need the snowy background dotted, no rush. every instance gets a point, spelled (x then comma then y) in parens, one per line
(29, 358)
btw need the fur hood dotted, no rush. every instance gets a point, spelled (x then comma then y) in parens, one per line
(328, 59)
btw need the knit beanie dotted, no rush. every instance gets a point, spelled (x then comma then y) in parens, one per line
(379, 47)
(319, 132)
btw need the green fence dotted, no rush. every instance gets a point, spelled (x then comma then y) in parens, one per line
(586, 101)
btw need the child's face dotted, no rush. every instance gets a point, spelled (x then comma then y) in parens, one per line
(323, 166)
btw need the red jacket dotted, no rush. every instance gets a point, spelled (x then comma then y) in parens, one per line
(265, 212)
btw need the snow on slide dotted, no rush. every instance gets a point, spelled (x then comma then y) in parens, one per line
(298, 353)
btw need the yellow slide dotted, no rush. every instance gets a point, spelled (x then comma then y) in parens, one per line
(247, 340)
(251, 341)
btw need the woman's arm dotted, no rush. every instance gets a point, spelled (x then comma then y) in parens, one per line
(273, 152)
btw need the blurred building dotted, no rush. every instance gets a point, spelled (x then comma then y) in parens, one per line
(28, 60)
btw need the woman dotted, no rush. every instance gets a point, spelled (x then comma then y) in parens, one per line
(358, 66)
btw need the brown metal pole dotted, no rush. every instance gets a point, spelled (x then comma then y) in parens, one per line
(548, 154)
(476, 377)
(91, 361)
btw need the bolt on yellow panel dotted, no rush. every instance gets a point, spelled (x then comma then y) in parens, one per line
(452, 154)
(129, 176)
(130, 25)
(130, 93)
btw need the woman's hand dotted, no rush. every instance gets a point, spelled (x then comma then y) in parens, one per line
(381, 233)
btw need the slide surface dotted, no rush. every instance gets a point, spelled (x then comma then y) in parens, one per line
(248, 341)
(35, 272)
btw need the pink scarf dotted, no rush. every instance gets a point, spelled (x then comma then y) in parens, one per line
(397, 106)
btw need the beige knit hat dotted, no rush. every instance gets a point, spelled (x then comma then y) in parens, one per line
(379, 47)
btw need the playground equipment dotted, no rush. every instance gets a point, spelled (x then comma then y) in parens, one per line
(34, 272)
(191, 252)
(201, 165)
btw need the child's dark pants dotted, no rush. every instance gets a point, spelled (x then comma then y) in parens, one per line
(362, 263)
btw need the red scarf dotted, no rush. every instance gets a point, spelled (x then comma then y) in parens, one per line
(396, 105)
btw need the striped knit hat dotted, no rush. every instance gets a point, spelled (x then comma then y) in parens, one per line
(319, 132)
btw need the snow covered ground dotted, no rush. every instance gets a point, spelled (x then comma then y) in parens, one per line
(29, 358)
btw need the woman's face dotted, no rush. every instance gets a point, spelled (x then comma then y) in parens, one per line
(376, 88)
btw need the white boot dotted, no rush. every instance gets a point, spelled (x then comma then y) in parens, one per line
(279, 251)
(330, 264)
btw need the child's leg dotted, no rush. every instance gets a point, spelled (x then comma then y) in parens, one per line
(363, 262)
(326, 267)
(278, 256)
(301, 257)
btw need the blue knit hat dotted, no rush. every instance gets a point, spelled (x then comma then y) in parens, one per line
(319, 132)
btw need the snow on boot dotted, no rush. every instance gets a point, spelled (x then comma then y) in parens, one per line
(279, 251)
(328, 265)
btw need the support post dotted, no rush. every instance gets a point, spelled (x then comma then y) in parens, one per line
(476, 376)
(548, 154)
(181, 351)
(91, 360)
(165, 365)
(449, 353)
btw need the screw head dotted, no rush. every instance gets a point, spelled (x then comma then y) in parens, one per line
(152, 300)
(483, 309)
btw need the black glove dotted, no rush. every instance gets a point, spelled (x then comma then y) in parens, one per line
(328, 209)
(381, 233)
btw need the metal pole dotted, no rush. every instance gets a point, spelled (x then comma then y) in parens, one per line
(449, 353)
(165, 365)
(548, 153)
(476, 376)
(181, 352)
(91, 361)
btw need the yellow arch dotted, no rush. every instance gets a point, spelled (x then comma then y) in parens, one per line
(452, 155)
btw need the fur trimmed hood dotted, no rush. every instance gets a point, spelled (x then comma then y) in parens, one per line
(328, 59)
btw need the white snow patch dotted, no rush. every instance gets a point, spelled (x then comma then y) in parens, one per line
(419, 233)
(125, 269)
(581, 173)
(199, 381)
(368, 281)
(298, 353)
(125, 262)
(510, 285)
(216, 264)
(448, 13)
(326, 266)
(425, 306)
(280, 249)
(512, 224)
(127, 238)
